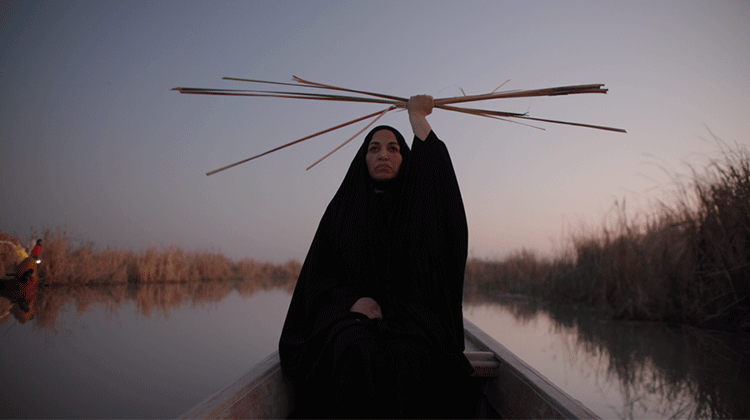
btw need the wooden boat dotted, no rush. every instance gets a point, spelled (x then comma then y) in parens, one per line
(23, 265)
(26, 268)
(514, 389)
(21, 290)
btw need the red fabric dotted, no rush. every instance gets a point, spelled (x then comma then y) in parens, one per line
(36, 251)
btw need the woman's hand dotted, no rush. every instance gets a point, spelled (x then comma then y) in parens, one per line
(419, 107)
(368, 307)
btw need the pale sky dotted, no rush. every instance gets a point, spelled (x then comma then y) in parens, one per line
(93, 140)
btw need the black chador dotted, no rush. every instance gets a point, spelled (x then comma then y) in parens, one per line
(405, 246)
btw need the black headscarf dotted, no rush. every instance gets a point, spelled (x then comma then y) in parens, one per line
(406, 248)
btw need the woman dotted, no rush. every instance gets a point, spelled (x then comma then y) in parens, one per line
(375, 326)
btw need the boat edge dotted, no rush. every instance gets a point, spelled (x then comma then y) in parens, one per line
(241, 397)
(546, 395)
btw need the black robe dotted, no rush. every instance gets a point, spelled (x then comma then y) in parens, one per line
(406, 248)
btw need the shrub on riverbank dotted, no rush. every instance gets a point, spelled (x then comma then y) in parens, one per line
(687, 261)
(64, 261)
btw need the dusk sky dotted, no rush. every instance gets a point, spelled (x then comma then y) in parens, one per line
(93, 140)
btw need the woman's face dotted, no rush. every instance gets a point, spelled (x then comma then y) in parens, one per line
(383, 156)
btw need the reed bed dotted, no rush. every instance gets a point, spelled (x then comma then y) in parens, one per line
(67, 261)
(687, 260)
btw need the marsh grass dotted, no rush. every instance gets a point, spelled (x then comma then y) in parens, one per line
(687, 260)
(66, 261)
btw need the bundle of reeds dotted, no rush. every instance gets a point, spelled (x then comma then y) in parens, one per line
(394, 102)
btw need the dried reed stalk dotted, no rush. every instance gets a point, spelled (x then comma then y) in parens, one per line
(298, 141)
(396, 102)
(385, 111)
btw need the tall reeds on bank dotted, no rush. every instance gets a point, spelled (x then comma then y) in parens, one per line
(687, 261)
(67, 261)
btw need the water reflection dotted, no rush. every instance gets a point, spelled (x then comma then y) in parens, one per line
(659, 370)
(153, 351)
(131, 351)
(20, 293)
(692, 373)
(149, 297)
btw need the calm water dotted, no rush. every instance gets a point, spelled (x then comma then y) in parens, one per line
(155, 351)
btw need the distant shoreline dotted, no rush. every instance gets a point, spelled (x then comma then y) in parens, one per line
(686, 262)
(67, 263)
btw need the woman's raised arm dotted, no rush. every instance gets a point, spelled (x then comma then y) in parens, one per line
(419, 107)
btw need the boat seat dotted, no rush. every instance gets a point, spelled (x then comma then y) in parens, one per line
(484, 363)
